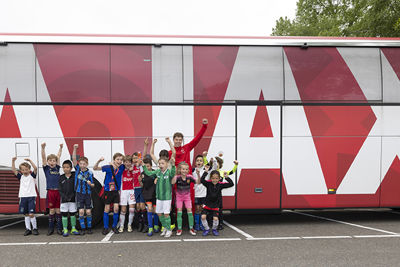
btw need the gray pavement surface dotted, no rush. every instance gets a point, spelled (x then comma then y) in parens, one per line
(293, 238)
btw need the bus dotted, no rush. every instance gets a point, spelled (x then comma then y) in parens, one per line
(313, 122)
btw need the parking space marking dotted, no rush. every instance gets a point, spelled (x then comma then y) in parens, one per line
(219, 239)
(342, 222)
(107, 237)
(23, 244)
(326, 237)
(148, 241)
(374, 236)
(238, 230)
(275, 238)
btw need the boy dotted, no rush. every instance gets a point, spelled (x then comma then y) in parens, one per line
(83, 187)
(127, 194)
(149, 195)
(27, 194)
(67, 193)
(51, 168)
(212, 202)
(140, 215)
(112, 182)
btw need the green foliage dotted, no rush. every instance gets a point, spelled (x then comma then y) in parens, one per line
(353, 18)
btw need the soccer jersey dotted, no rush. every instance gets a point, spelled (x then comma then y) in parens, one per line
(26, 185)
(199, 189)
(66, 187)
(149, 188)
(127, 180)
(183, 186)
(136, 173)
(52, 176)
(111, 183)
(214, 196)
(81, 178)
(163, 186)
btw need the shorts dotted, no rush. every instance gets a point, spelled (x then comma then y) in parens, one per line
(84, 201)
(199, 200)
(127, 197)
(138, 195)
(151, 201)
(180, 199)
(27, 205)
(111, 197)
(163, 206)
(213, 213)
(68, 207)
(53, 199)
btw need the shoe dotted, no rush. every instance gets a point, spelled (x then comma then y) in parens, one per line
(178, 232)
(206, 232)
(130, 228)
(82, 232)
(59, 231)
(162, 228)
(163, 232)
(105, 231)
(172, 227)
(115, 230)
(50, 231)
(156, 229)
(192, 231)
(168, 233)
(35, 232)
(140, 227)
(197, 227)
(220, 227)
(121, 229)
(150, 233)
(201, 227)
(74, 231)
(65, 233)
(27, 232)
(215, 232)
(89, 231)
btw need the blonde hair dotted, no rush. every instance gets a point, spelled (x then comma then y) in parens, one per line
(180, 167)
(52, 156)
(24, 164)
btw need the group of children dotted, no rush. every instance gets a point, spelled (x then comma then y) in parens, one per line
(131, 186)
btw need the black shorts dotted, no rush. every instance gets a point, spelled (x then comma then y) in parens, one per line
(199, 200)
(27, 205)
(83, 201)
(153, 201)
(213, 213)
(111, 197)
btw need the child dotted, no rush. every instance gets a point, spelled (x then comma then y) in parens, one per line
(183, 182)
(66, 187)
(27, 194)
(51, 168)
(83, 186)
(212, 202)
(127, 194)
(140, 214)
(112, 182)
(149, 195)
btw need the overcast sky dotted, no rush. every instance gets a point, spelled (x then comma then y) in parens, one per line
(166, 17)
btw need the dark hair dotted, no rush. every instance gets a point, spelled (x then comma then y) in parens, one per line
(198, 156)
(220, 161)
(68, 162)
(147, 161)
(215, 172)
(163, 153)
(135, 154)
(178, 134)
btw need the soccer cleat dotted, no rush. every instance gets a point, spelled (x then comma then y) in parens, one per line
(192, 231)
(27, 232)
(215, 232)
(201, 227)
(82, 232)
(115, 230)
(74, 231)
(121, 229)
(156, 229)
(168, 233)
(65, 233)
(172, 227)
(150, 233)
(162, 228)
(89, 231)
(35, 232)
(197, 227)
(178, 232)
(130, 228)
(105, 231)
(163, 232)
(50, 231)
(206, 232)
(140, 227)
(59, 231)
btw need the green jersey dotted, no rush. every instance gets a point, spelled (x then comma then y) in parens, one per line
(163, 187)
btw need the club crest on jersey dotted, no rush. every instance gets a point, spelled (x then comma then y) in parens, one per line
(183, 150)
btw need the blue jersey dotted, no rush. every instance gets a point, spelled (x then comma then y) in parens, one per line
(111, 183)
(52, 176)
(81, 178)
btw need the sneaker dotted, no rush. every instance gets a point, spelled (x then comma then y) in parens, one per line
(121, 229)
(105, 231)
(35, 232)
(162, 228)
(192, 232)
(206, 232)
(172, 227)
(27, 232)
(197, 227)
(150, 233)
(215, 232)
(220, 227)
(59, 231)
(168, 233)
(115, 230)
(163, 232)
(140, 227)
(156, 229)
(65, 233)
(74, 231)
(130, 228)
(178, 232)
(89, 231)
(82, 232)
(50, 231)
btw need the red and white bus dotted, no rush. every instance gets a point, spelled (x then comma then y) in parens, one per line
(313, 122)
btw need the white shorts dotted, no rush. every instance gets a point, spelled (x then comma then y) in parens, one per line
(163, 206)
(68, 207)
(127, 197)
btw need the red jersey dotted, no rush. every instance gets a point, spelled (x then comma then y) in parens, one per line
(127, 180)
(136, 173)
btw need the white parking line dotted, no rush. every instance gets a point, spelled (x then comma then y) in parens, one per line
(108, 236)
(238, 230)
(374, 236)
(206, 239)
(23, 244)
(10, 224)
(274, 238)
(326, 237)
(342, 222)
(148, 241)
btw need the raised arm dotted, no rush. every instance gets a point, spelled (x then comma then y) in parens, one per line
(147, 172)
(199, 135)
(74, 155)
(171, 146)
(153, 157)
(44, 161)
(205, 161)
(146, 146)
(33, 165)
(96, 166)
(59, 154)
(228, 181)
(234, 167)
(14, 170)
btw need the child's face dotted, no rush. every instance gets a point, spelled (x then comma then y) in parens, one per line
(178, 141)
(215, 179)
(135, 159)
(184, 170)
(82, 165)
(52, 162)
(118, 161)
(148, 166)
(25, 170)
(67, 168)
(162, 164)
(128, 164)
(199, 162)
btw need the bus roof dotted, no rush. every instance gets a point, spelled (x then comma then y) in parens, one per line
(196, 40)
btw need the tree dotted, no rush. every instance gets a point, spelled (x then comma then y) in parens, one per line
(362, 18)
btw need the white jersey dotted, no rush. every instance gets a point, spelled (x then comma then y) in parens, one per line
(27, 185)
(199, 189)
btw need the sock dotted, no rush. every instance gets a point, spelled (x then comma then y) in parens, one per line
(73, 221)
(89, 221)
(190, 219)
(156, 219)
(145, 218)
(105, 220)
(27, 223)
(82, 222)
(197, 218)
(179, 220)
(131, 214)
(51, 221)
(140, 215)
(34, 223)
(168, 223)
(115, 219)
(162, 220)
(205, 224)
(122, 220)
(65, 222)
(215, 224)
(150, 219)
(136, 217)
(59, 221)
